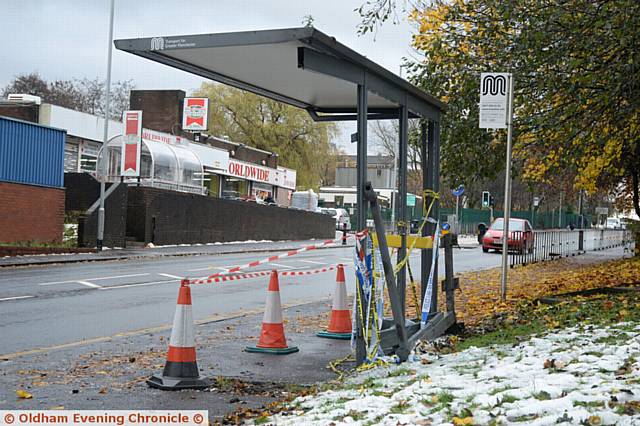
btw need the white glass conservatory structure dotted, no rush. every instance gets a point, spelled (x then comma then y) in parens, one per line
(162, 165)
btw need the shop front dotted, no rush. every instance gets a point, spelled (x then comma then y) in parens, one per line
(173, 162)
(242, 180)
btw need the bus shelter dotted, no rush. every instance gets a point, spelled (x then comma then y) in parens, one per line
(308, 69)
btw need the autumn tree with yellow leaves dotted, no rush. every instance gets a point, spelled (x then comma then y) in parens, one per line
(576, 65)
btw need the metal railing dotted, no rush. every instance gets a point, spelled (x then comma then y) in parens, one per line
(539, 246)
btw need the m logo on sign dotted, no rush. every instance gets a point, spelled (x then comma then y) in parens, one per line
(157, 43)
(493, 100)
(494, 85)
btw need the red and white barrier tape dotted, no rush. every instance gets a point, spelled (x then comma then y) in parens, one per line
(224, 278)
(273, 258)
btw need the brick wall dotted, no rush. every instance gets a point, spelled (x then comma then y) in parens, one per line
(115, 221)
(31, 213)
(81, 191)
(169, 217)
(21, 112)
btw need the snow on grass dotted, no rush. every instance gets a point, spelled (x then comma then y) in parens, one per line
(583, 375)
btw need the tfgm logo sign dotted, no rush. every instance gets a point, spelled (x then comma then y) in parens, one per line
(157, 43)
(494, 85)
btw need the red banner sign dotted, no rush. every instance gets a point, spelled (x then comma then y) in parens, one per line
(195, 114)
(131, 143)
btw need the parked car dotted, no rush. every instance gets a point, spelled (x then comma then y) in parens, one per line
(340, 215)
(521, 236)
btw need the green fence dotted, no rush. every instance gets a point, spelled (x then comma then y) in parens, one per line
(539, 220)
(470, 218)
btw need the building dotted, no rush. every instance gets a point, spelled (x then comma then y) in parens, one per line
(32, 195)
(85, 132)
(171, 158)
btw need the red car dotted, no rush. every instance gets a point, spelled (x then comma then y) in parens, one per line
(521, 237)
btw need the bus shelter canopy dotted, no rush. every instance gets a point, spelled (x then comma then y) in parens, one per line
(299, 66)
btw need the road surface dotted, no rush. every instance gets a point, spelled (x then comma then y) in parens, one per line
(47, 306)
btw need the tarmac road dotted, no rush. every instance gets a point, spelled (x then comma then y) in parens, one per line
(46, 306)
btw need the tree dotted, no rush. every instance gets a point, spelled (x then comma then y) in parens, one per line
(301, 143)
(79, 94)
(577, 86)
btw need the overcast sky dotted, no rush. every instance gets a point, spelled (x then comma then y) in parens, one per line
(64, 39)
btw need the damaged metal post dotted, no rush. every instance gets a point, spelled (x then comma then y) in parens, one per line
(396, 307)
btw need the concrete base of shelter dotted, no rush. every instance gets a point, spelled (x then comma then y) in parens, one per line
(177, 383)
(274, 351)
(331, 335)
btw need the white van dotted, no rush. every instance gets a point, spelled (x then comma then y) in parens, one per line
(613, 223)
(341, 216)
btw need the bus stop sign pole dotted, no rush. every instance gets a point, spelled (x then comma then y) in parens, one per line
(507, 195)
(496, 112)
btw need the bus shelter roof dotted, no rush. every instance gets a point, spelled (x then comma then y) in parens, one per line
(302, 67)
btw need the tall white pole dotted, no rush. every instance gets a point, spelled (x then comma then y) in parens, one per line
(100, 233)
(507, 195)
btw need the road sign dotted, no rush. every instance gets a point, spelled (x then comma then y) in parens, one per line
(602, 210)
(536, 201)
(458, 191)
(411, 200)
(493, 100)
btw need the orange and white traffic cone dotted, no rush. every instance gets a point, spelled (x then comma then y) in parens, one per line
(181, 369)
(272, 340)
(340, 320)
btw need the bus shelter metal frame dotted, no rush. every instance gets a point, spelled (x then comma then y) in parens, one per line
(379, 95)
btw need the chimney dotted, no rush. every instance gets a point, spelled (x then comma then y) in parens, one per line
(161, 109)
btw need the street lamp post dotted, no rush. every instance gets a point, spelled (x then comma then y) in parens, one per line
(100, 233)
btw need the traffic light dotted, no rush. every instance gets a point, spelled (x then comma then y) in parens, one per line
(486, 199)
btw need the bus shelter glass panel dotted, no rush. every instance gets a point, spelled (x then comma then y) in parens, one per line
(189, 166)
(165, 163)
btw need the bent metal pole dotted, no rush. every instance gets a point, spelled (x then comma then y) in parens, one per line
(507, 194)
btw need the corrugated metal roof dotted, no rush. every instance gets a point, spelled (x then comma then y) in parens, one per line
(31, 154)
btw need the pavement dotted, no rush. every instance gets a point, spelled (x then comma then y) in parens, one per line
(111, 374)
(110, 254)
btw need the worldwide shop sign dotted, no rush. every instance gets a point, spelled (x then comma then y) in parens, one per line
(279, 177)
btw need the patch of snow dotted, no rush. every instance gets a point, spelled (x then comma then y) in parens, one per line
(506, 384)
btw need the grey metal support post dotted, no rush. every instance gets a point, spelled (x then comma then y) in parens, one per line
(424, 253)
(403, 348)
(401, 202)
(427, 183)
(450, 283)
(436, 206)
(100, 230)
(361, 351)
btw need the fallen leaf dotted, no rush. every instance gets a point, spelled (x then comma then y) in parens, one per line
(457, 421)
(24, 395)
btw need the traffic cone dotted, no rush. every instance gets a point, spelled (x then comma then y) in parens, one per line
(181, 369)
(272, 340)
(340, 321)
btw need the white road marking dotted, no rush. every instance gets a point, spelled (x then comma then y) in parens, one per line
(170, 276)
(95, 279)
(280, 265)
(15, 298)
(88, 284)
(113, 287)
(312, 261)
